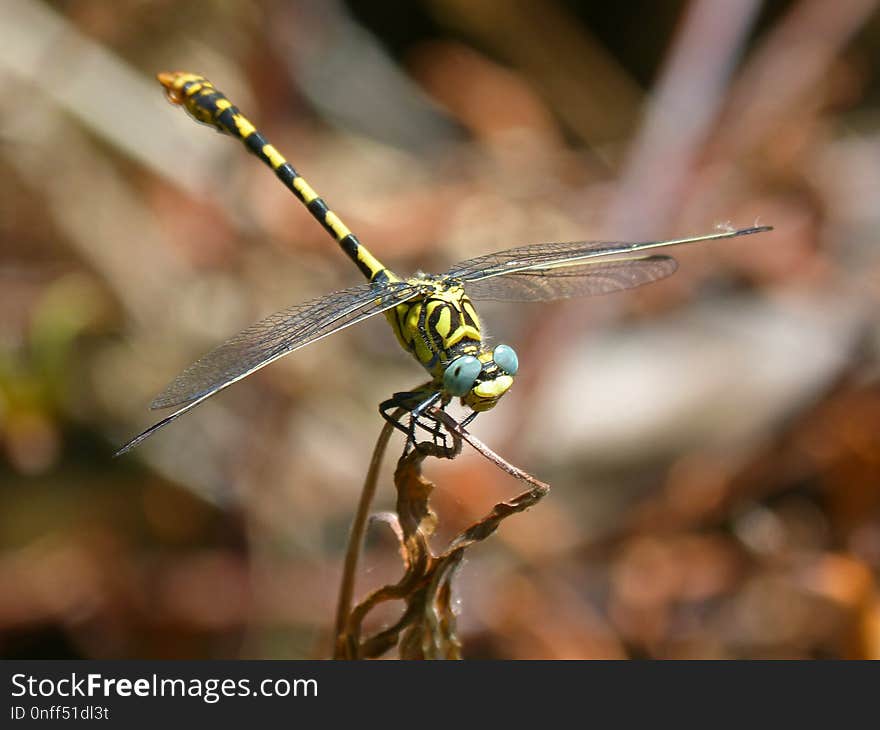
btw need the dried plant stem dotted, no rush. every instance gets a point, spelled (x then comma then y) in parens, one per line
(427, 627)
(455, 428)
(356, 536)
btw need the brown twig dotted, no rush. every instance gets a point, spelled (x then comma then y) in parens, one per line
(455, 428)
(427, 627)
(358, 528)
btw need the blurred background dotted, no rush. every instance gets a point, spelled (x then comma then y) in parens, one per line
(713, 440)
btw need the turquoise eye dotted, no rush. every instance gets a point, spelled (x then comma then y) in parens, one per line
(461, 375)
(505, 358)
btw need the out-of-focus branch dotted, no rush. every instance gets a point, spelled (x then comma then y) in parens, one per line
(791, 60)
(99, 89)
(678, 118)
(583, 83)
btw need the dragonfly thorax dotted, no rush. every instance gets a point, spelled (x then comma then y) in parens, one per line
(441, 329)
(438, 326)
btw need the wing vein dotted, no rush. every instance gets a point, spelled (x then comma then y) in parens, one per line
(270, 339)
(548, 255)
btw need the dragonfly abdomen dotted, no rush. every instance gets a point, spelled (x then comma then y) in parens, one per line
(210, 106)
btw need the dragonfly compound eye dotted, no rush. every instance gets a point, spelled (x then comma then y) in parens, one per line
(461, 375)
(506, 359)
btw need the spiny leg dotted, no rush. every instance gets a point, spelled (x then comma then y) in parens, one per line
(410, 401)
(435, 430)
(439, 429)
(416, 403)
(209, 106)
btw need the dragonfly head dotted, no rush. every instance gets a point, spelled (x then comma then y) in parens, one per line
(481, 380)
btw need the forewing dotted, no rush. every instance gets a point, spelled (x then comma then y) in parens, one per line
(561, 282)
(523, 257)
(545, 255)
(266, 341)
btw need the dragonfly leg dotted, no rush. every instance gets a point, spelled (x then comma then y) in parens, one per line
(436, 431)
(409, 401)
(384, 409)
(415, 419)
(415, 402)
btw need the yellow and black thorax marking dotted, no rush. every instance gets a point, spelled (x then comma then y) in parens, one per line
(439, 326)
(209, 106)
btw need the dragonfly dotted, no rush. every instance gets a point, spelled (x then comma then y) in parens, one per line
(432, 315)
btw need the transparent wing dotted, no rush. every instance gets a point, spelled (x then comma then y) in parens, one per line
(546, 255)
(265, 341)
(573, 280)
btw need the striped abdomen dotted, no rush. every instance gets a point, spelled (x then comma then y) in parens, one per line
(208, 105)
